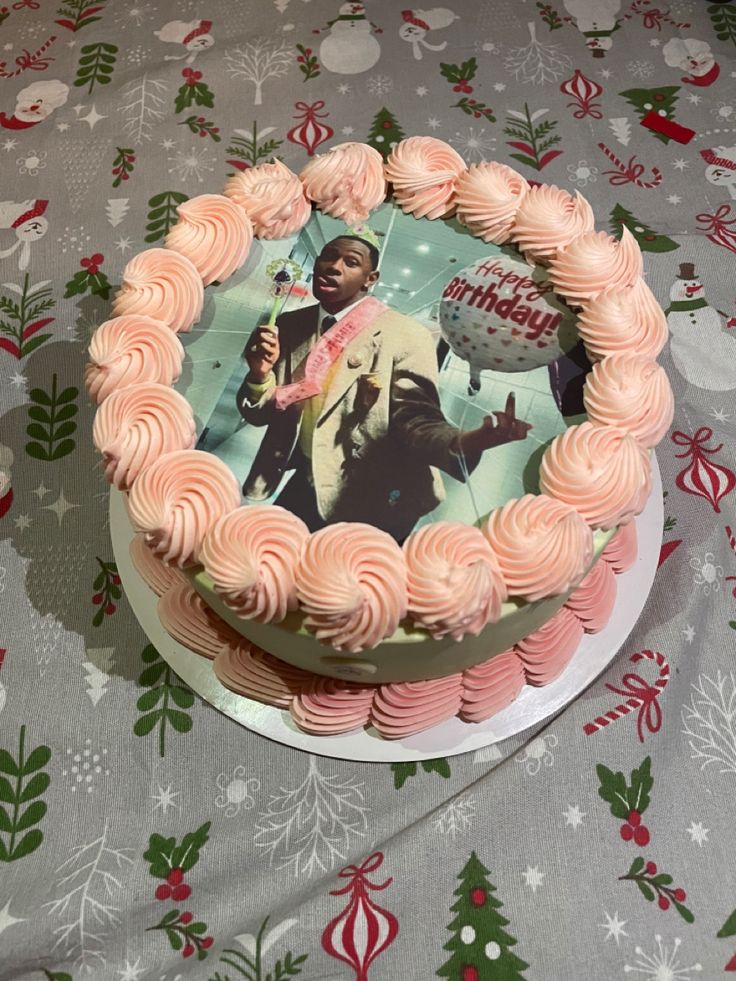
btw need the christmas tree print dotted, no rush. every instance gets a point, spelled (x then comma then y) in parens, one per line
(251, 964)
(162, 214)
(723, 18)
(480, 947)
(20, 322)
(155, 704)
(656, 109)
(403, 771)
(76, 14)
(648, 239)
(22, 781)
(532, 141)
(252, 148)
(385, 132)
(52, 422)
(95, 65)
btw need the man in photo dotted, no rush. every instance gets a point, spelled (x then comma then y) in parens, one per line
(359, 421)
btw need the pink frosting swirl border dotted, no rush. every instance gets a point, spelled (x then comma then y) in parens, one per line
(187, 618)
(594, 262)
(488, 197)
(213, 233)
(424, 172)
(631, 392)
(164, 285)
(273, 199)
(347, 182)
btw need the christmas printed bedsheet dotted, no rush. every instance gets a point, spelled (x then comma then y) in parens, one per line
(144, 836)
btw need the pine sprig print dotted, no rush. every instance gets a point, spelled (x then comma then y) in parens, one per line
(21, 320)
(253, 148)
(96, 65)
(162, 214)
(156, 703)
(20, 808)
(76, 14)
(723, 19)
(532, 140)
(250, 965)
(52, 422)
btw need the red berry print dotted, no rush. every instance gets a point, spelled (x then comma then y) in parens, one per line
(163, 892)
(634, 819)
(188, 951)
(641, 836)
(663, 903)
(679, 895)
(627, 832)
(207, 942)
(180, 893)
(186, 918)
(175, 877)
(97, 599)
(651, 868)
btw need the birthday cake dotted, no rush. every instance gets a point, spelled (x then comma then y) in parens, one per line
(352, 524)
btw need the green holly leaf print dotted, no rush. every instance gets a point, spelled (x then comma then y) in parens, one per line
(20, 809)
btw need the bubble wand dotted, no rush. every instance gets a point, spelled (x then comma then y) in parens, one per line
(283, 273)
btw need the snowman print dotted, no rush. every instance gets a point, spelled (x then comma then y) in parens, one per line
(35, 103)
(694, 57)
(418, 23)
(194, 36)
(26, 221)
(350, 47)
(721, 169)
(703, 353)
(596, 21)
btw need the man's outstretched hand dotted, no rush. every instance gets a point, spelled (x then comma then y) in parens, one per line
(506, 429)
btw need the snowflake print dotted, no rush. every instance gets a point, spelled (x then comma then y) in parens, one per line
(195, 162)
(641, 69)
(724, 111)
(236, 792)
(379, 84)
(707, 574)
(456, 816)
(31, 163)
(84, 767)
(74, 239)
(473, 145)
(663, 965)
(538, 752)
(582, 174)
(138, 55)
(135, 15)
(488, 47)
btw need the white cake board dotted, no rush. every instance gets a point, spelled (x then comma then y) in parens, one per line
(449, 738)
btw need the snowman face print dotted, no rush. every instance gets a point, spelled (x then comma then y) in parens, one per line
(200, 43)
(722, 177)
(32, 230)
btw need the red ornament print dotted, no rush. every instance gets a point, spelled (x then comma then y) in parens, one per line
(363, 930)
(310, 133)
(701, 477)
(478, 896)
(583, 91)
(720, 227)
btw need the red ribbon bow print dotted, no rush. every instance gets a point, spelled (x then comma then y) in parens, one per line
(650, 712)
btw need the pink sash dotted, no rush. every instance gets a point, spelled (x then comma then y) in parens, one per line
(326, 352)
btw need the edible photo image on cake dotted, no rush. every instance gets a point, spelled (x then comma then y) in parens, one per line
(395, 374)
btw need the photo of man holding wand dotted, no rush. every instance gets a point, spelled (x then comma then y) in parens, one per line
(348, 390)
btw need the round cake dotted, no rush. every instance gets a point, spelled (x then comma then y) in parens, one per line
(373, 594)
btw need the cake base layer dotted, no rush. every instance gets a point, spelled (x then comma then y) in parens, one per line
(451, 737)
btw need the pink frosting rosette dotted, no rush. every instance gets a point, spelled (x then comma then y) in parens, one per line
(405, 708)
(424, 173)
(454, 582)
(273, 199)
(542, 545)
(491, 686)
(549, 219)
(622, 550)
(247, 670)
(164, 285)
(632, 392)
(546, 652)
(330, 706)
(592, 602)
(488, 197)
(134, 426)
(213, 233)
(347, 182)
(351, 584)
(186, 617)
(594, 262)
(156, 574)
(602, 471)
(623, 320)
(251, 555)
(129, 350)
(176, 500)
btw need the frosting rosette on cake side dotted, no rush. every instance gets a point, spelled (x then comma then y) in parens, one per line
(164, 285)
(546, 652)
(176, 500)
(621, 320)
(273, 199)
(329, 706)
(347, 182)
(491, 686)
(548, 219)
(622, 550)
(632, 392)
(488, 196)
(213, 233)
(136, 425)
(251, 556)
(543, 546)
(594, 262)
(455, 586)
(424, 171)
(156, 574)
(351, 584)
(403, 708)
(246, 669)
(129, 350)
(602, 471)
(592, 602)
(186, 617)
